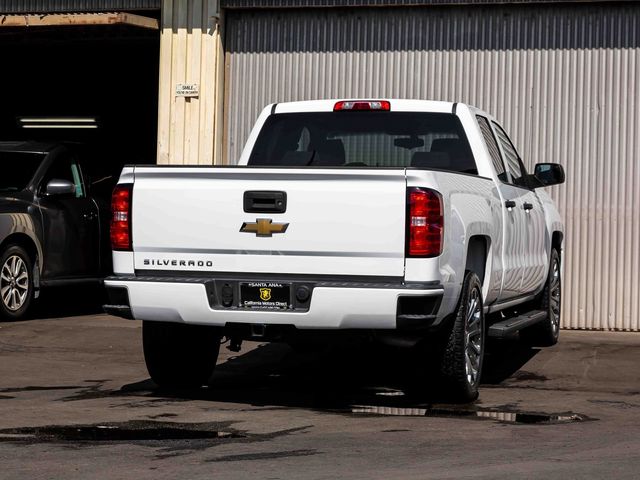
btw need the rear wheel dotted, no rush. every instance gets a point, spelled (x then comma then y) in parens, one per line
(16, 282)
(179, 355)
(547, 332)
(463, 355)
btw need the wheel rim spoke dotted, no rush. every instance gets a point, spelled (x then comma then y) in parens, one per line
(6, 274)
(473, 337)
(17, 267)
(6, 294)
(22, 281)
(555, 296)
(21, 296)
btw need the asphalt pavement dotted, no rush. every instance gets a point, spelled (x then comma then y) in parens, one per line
(76, 403)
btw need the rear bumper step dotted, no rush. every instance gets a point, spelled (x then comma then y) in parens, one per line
(119, 304)
(510, 327)
(347, 306)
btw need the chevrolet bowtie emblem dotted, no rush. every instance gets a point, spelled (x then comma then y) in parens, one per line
(264, 227)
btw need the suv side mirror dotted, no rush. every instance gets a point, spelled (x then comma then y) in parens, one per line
(59, 187)
(548, 174)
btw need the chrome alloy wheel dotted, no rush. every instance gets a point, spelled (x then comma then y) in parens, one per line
(14, 283)
(474, 338)
(555, 292)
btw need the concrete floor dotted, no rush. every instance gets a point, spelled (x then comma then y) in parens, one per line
(276, 414)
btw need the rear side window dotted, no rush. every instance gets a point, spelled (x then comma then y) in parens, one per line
(18, 169)
(513, 163)
(492, 145)
(365, 139)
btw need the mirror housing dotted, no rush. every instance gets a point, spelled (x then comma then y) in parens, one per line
(59, 187)
(547, 174)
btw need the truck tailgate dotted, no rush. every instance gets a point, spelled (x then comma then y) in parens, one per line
(340, 221)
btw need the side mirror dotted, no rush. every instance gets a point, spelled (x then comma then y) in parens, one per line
(548, 174)
(60, 187)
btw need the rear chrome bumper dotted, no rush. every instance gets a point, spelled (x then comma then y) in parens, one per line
(333, 304)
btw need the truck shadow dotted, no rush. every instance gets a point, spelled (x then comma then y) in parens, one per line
(68, 301)
(338, 378)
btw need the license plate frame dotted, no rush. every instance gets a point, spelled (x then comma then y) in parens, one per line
(265, 296)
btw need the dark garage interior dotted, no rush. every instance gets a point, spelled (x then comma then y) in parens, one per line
(103, 78)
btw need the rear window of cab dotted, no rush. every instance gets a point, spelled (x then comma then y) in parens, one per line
(364, 139)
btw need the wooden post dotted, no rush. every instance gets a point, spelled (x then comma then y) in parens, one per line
(191, 55)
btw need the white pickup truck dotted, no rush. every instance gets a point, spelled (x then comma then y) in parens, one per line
(409, 221)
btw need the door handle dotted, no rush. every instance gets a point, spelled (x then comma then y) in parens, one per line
(510, 204)
(527, 206)
(265, 202)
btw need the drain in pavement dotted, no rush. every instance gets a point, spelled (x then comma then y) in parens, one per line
(502, 416)
(127, 431)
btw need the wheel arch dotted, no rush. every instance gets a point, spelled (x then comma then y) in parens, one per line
(478, 257)
(27, 242)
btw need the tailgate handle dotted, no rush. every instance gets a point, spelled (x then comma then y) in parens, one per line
(258, 201)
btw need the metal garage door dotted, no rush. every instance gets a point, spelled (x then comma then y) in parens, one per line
(564, 79)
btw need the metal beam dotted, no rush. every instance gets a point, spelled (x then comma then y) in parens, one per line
(78, 19)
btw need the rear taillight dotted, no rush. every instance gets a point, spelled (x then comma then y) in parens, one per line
(346, 105)
(121, 218)
(425, 223)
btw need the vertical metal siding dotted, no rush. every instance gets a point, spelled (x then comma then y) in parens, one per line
(564, 80)
(373, 3)
(60, 6)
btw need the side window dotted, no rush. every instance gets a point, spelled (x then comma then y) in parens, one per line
(513, 163)
(492, 145)
(66, 168)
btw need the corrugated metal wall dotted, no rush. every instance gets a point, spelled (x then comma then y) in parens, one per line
(190, 52)
(376, 3)
(60, 6)
(563, 79)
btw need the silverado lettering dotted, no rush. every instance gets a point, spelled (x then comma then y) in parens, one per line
(176, 263)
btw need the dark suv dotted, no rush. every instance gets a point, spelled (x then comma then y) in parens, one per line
(53, 231)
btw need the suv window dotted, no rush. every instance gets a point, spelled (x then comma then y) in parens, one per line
(67, 168)
(367, 139)
(513, 163)
(492, 145)
(18, 168)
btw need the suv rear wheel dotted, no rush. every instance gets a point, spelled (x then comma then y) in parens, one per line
(179, 355)
(16, 282)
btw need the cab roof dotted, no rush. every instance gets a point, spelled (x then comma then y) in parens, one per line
(397, 105)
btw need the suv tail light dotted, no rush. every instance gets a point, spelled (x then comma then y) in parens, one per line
(121, 218)
(382, 105)
(425, 223)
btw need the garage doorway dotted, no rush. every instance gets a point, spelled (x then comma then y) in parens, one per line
(94, 86)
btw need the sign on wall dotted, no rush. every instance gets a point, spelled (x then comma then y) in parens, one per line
(187, 90)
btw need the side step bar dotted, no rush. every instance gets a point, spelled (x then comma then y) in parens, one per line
(510, 327)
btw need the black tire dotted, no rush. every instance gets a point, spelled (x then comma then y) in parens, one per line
(547, 332)
(179, 355)
(461, 361)
(16, 287)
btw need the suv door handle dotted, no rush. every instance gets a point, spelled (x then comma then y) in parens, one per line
(510, 204)
(527, 206)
